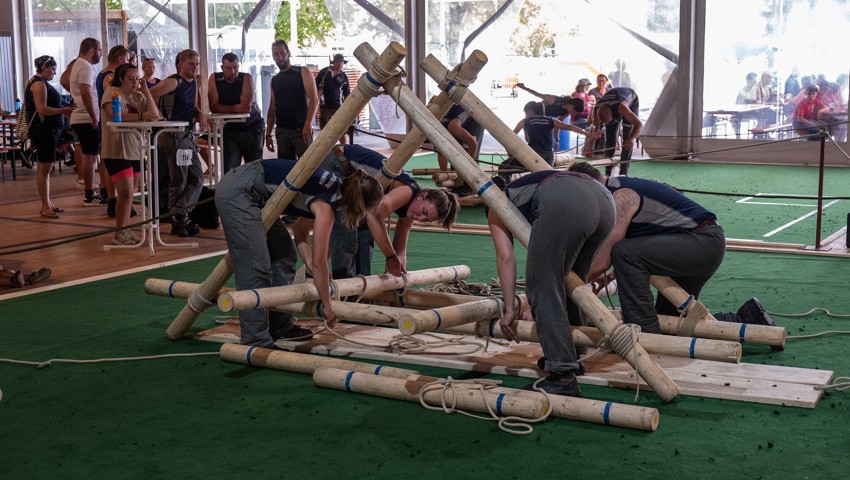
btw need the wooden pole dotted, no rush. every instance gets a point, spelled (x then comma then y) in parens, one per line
(450, 316)
(503, 401)
(305, 292)
(463, 398)
(467, 72)
(671, 290)
(519, 226)
(728, 331)
(515, 147)
(302, 362)
(367, 87)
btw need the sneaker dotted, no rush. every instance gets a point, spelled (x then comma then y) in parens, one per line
(753, 312)
(39, 276)
(124, 237)
(95, 201)
(181, 227)
(565, 385)
(17, 279)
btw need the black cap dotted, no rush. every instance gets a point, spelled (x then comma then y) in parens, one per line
(339, 56)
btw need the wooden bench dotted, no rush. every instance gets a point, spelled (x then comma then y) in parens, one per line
(782, 131)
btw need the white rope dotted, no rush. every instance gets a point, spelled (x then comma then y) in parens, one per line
(813, 310)
(510, 424)
(49, 363)
(839, 383)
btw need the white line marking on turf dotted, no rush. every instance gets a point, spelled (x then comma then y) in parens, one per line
(800, 219)
(746, 201)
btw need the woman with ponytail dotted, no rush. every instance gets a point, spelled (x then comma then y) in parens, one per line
(239, 199)
(352, 253)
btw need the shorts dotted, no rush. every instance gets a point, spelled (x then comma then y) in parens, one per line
(120, 168)
(89, 138)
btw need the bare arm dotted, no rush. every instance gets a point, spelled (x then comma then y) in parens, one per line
(312, 103)
(392, 201)
(566, 126)
(461, 134)
(626, 202)
(87, 96)
(634, 121)
(547, 98)
(319, 264)
(506, 266)
(519, 126)
(65, 79)
(39, 95)
(164, 87)
(270, 119)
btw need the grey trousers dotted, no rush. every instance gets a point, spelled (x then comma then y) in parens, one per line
(184, 182)
(574, 216)
(258, 262)
(241, 145)
(290, 143)
(689, 258)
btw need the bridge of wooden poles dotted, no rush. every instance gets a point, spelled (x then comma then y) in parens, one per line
(667, 364)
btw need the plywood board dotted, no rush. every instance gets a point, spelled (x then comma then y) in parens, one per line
(768, 384)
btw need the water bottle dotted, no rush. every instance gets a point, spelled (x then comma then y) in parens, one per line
(116, 106)
(17, 105)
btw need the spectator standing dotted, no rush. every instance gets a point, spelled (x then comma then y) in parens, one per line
(601, 87)
(177, 150)
(45, 126)
(232, 91)
(122, 151)
(292, 106)
(118, 55)
(620, 77)
(333, 89)
(84, 120)
(581, 118)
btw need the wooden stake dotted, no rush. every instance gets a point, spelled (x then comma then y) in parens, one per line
(379, 72)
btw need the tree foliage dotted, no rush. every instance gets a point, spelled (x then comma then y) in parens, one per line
(532, 37)
(314, 23)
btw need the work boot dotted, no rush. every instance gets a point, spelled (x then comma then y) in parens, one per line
(753, 312)
(178, 225)
(555, 384)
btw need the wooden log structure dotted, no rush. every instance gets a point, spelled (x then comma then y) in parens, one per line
(302, 362)
(729, 331)
(515, 147)
(519, 226)
(468, 399)
(445, 317)
(503, 401)
(467, 73)
(305, 292)
(368, 86)
(669, 289)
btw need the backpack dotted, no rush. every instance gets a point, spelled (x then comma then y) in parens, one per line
(22, 126)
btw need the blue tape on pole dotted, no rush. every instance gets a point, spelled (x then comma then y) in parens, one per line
(387, 174)
(171, 289)
(439, 319)
(289, 185)
(499, 404)
(256, 294)
(741, 333)
(454, 270)
(248, 356)
(331, 288)
(492, 330)
(378, 370)
(484, 188)
(374, 82)
(449, 86)
(691, 348)
(348, 381)
(687, 302)
(607, 413)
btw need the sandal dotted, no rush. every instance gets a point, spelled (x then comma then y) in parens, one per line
(58, 210)
(39, 276)
(50, 214)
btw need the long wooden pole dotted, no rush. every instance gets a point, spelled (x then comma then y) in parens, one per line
(521, 229)
(502, 401)
(302, 362)
(380, 70)
(515, 147)
(305, 292)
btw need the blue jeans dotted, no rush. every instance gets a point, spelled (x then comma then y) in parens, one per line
(258, 261)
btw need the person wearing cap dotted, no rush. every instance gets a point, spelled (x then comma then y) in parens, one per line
(44, 109)
(540, 130)
(232, 91)
(333, 87)
(293, 104)
(581, 119)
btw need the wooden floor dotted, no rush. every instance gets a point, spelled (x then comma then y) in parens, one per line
(73, 261)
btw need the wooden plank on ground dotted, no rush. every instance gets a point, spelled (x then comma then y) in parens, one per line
(767, 384)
